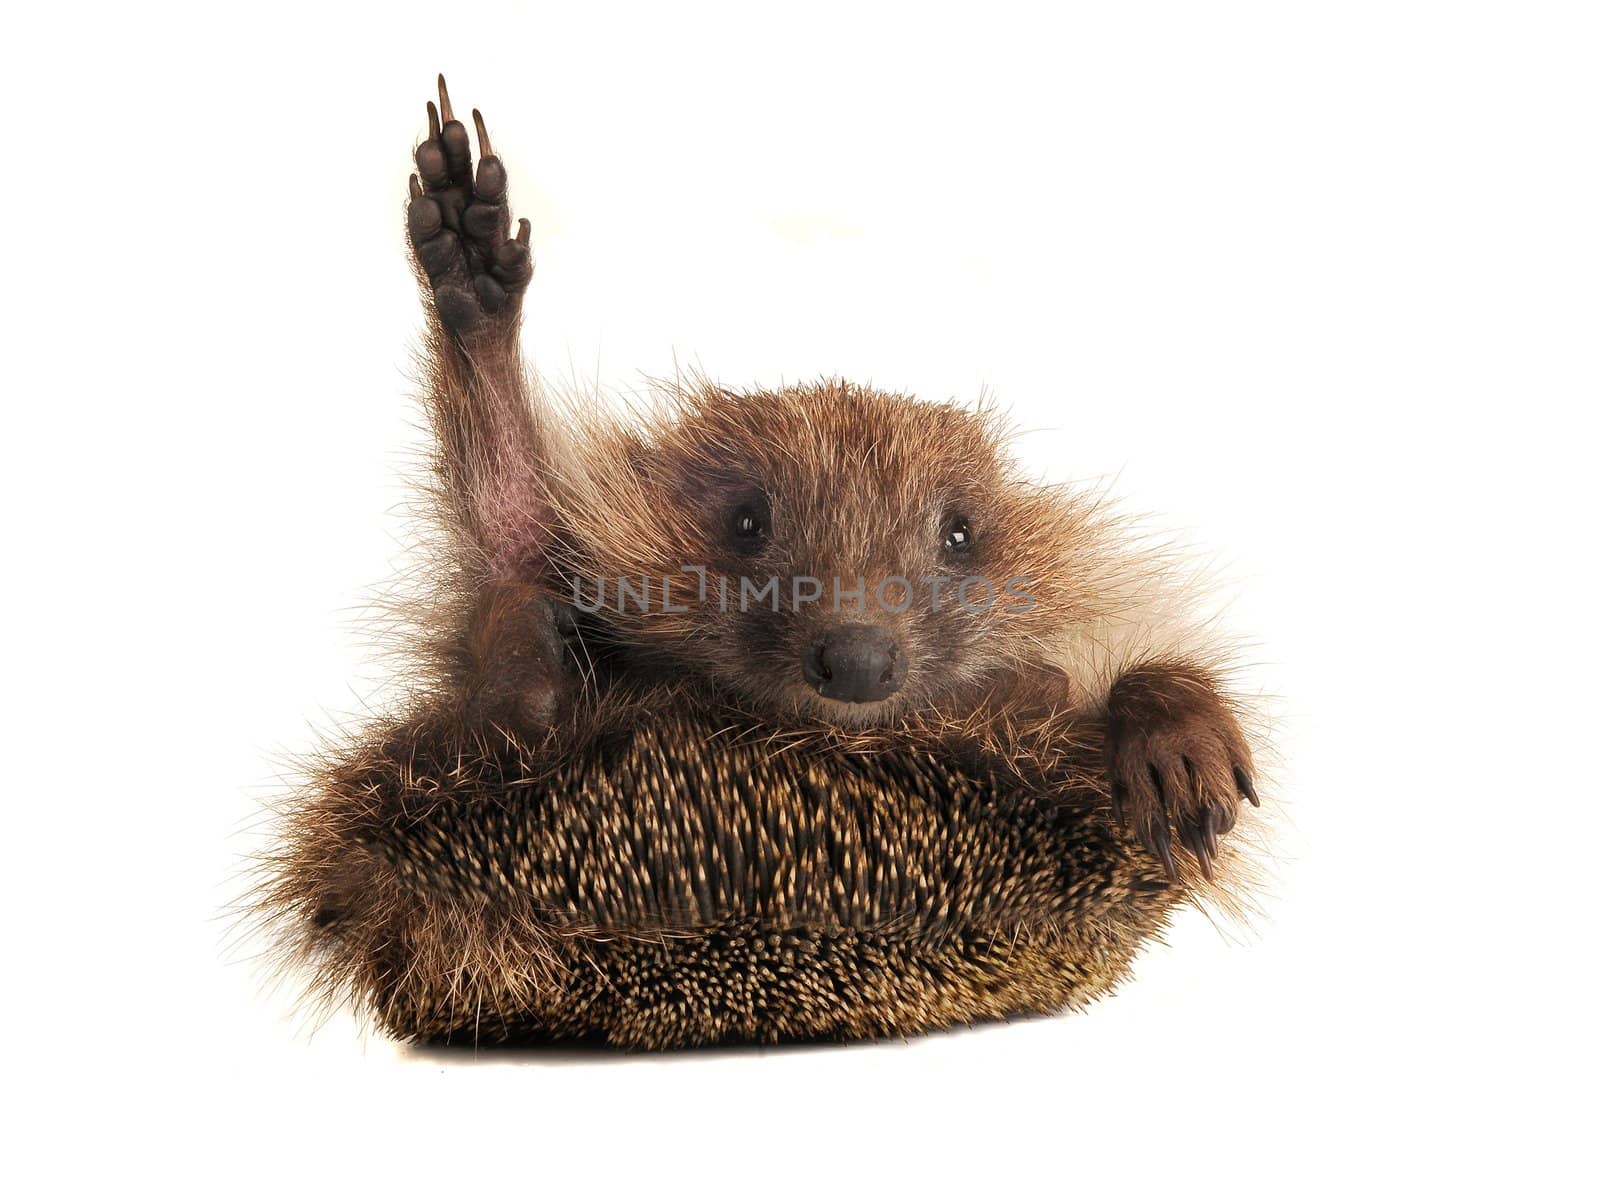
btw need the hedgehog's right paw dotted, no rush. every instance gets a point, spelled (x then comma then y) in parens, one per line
(1179, 762)
(460, 228)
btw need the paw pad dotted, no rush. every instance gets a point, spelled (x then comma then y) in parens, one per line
(460, 225)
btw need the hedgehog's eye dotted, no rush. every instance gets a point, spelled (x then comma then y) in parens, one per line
(749, 523)
(957, 535)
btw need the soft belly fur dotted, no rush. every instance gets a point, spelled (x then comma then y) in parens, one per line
(688, 879)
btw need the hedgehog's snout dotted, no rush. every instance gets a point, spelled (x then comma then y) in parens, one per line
(854, 663)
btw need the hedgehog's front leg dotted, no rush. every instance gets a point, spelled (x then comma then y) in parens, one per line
(1178, 761)
(492, 457)
(507, 658)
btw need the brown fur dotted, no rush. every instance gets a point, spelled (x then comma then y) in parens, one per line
(644, 826)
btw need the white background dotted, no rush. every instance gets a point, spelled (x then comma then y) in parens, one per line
(1315, 283)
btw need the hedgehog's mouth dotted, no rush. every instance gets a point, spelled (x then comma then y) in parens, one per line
(810, 708)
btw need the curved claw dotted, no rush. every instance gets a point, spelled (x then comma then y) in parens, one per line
(1245, 785)
(484, 150)
(1161, 842)
(444, 101)
(524, 231)
(433, 122)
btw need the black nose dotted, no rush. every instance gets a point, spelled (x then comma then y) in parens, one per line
(854, 663)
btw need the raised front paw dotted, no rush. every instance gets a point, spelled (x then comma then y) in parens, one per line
(460, 226)
(1179, 763)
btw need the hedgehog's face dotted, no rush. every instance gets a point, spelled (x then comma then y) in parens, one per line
(832, 553)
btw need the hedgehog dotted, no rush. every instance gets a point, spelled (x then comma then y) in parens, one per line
(748, 716)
